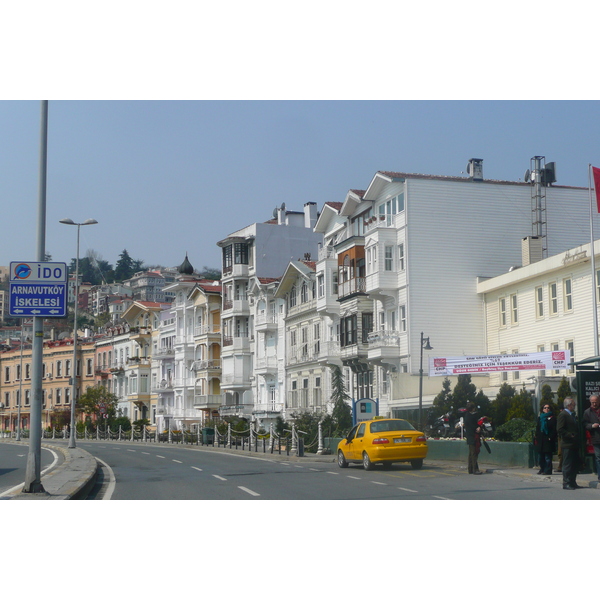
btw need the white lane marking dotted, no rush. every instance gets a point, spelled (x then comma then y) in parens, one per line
(112, 480)
(197, 469)
(177, 461)
(352, 477)
(219, 477)
(408, 490)
(20, 486)
(441, 498)
(145, 452)
(311, 469)
(332, 472)
(241, 487)
(378, 483)
(128, 450)
(159, 456)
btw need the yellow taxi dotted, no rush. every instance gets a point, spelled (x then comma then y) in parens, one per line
(383, 441)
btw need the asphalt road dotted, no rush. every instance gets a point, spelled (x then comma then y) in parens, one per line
(164, 472)
(13, 464)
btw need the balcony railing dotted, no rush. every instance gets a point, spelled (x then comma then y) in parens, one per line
(206, 365)
(353, 286)
(327, 252)
(207, 401)
(266, 362)
(235, 409)
(384, 338)
(207, 329)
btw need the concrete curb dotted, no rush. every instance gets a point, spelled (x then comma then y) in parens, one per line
(72, 480)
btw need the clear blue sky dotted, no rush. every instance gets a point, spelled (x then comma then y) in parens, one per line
(164, 178)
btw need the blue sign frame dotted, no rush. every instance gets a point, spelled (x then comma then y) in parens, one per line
(38, 289)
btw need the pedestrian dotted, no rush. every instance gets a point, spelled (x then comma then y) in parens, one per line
(472, 430)
(591, 423)
(545, 439)
(568, 432)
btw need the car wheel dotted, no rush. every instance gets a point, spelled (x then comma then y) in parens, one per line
(342, 462)
(367, 464)
(417, 463)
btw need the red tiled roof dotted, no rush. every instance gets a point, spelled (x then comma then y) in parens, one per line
(336, 205)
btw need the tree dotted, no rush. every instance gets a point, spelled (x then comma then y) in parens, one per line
(442, 403)
(341, 413)
(564, 390)
(92, 269)
(464, 392)
(501, 405)
(124, 268)
(520, 407)
(548, 398)
(210, 273)
(89, 403)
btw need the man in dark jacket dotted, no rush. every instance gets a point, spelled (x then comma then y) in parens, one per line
(591, 423)
(472, 434)
(568, 431)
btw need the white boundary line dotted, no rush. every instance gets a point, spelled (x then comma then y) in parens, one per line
(20, 486)
(112, 480)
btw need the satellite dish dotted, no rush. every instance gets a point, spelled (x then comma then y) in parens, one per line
(527, 175)
(275, 213)
(283, 206)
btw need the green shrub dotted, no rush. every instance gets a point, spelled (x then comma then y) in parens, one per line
(515, 430)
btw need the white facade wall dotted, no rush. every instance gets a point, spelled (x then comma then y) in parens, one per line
(565, 328)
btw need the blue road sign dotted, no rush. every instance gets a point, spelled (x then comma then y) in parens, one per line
(38, 289)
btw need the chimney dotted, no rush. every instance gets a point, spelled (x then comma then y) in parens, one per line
(310, 215)
(475, 169)
(532, 249)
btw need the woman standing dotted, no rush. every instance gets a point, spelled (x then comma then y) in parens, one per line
(545, 439)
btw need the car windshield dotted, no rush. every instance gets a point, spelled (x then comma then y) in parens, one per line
(393, 425)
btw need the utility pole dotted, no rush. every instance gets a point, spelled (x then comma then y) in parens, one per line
(33, 478)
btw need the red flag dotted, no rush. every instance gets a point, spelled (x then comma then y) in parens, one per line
(596, 173)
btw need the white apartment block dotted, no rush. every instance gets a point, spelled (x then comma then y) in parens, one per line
(251, 254)
(408, 251)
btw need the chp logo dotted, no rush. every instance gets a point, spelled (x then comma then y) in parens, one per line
(559, 359)
(439, 363)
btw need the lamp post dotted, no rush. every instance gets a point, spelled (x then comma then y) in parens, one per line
(74, 365)
(425, 345)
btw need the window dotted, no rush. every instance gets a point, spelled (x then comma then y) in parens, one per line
(67, 395)
(59, 368)
(514, 312)
(58, 396)
(317, 338)
(568, 295)
(293, 339)
(241, 254)
(292, 297)
(389, 258)
(555, 348)
(27, 397)
(542, 372)
(304, 293)
(89, 370)
(227, 258)
(6, 374)
(516, 374)
(7, 399)
(401, 257)
(348, 331)
(367, 326)
(403, 318)
(539, 302)
(27, 371)
(321, 285)
(570, 345)
(502, 311)
(553, 293)
(334, 281)
(68, 368)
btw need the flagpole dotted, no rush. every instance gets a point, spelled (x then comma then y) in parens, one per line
(594, 304)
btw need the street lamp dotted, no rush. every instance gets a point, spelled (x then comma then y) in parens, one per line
(425, 345)
(74, 365)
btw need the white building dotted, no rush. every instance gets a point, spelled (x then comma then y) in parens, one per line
(261, 250)
(544, 306)
(409, 250)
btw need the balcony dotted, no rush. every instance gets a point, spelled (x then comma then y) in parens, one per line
(358, 285)
(207, 330)
(267, 411)
(164, 354)
(207, 365)
(230, 380)
(266, 365)
(236, 410)
(239, 307)
(265, 322)
(140, 334)
(236, 343)
(210, 401)
(166, 385)
(385, 345)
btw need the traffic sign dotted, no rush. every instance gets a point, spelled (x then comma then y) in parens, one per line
(38, 289)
